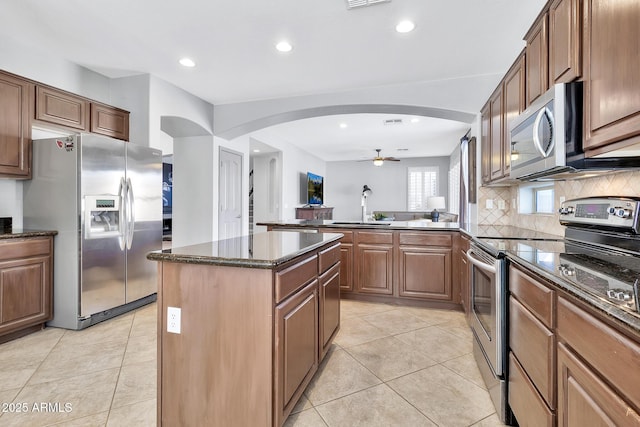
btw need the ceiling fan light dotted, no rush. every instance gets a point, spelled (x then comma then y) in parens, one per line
(378, 162)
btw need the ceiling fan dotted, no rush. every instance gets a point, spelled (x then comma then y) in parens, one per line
(378, 160)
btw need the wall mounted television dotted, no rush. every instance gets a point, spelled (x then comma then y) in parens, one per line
(315, 189)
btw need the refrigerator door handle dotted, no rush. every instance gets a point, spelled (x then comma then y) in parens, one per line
(123, 213)
(131, 217)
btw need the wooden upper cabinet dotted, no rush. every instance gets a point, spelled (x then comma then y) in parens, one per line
(485, 143)
(513, 88)
(565, 41)
(16, 97)
(537, 61)
(109, 121)
(611, 75)
(497, 135)
(62, 108)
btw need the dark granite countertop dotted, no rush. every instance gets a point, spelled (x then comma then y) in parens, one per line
(505, 232)
(378, 225)
(19, 233)
(260, 250)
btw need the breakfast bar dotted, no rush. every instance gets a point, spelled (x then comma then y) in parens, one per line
(243, 324)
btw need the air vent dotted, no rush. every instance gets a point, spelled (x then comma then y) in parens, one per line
(352, 4)
(391, 122)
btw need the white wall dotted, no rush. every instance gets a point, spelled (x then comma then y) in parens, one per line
(344, 182)
(132, 94)
(295, 163)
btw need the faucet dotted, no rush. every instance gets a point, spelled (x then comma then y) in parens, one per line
(366, 191)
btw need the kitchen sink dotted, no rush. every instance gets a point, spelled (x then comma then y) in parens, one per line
(360, 223)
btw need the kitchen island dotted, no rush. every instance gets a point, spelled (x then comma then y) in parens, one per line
(243, 324)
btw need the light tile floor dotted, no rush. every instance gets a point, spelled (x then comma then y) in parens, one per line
(389, 366)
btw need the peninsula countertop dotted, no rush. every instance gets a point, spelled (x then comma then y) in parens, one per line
(259, 250)
(19, 233)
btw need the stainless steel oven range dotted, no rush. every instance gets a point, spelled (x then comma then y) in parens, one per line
(489, 322)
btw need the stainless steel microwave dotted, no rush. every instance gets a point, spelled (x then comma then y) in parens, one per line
(548, 133)
(547, 144)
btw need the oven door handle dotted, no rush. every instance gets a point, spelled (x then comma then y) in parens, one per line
(482, 265)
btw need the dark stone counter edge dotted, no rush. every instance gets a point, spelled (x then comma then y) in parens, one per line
(236, 262)
(22, 234)
(437, 226)
(609, 310)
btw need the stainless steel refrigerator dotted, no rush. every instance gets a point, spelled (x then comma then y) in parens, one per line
(104, 196)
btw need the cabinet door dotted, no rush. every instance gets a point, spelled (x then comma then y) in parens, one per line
(15, 127)
(513, 93)
(25, 293)
(375, 269)
(62, 108)
(485, 143)
(329, 307)
(346, 267)
(425, 273)
(611, 77)
(497, 135)
(565, 41)
(537, 65)
(109, 121)
(296, 348)
(585, 400)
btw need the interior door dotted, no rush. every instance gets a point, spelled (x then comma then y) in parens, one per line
(230, 194)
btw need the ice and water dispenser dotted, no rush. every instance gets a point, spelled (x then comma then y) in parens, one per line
(104, 217)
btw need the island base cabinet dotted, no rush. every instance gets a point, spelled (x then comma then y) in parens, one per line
(296, 348)
(329, 315)
(218, 370)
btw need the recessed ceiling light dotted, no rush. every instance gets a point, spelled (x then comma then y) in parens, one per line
(187, 62)
(343, 125)
(284, 46)
(415, 120)
(405, 26)
(255, 150)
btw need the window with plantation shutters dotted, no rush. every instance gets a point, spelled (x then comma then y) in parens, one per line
(422, 183)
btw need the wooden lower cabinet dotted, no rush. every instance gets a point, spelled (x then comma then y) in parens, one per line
(585, 399)
(464, 275)
(26, 278)
(374, 269)
(526, 403)
(296, 348)
(425, 272)
(329, 307)
(251, 339)
(598, 373)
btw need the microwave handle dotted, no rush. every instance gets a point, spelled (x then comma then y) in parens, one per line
(481, 265)
(536, 139)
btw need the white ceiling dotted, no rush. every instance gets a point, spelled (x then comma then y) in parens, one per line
(334, 49)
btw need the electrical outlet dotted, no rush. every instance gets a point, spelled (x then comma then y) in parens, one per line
(501, 204)
(489, 204)
(173, 320)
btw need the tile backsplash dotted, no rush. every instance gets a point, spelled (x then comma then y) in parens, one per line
(503, 211)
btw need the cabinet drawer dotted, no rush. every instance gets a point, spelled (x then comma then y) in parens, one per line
(613, 354)
(12, 249)
(534, 295)
(347, 235)
(292, 278)
(527, 405)
(426, 239)
(328, 257)
(375, 237)
(534, 346)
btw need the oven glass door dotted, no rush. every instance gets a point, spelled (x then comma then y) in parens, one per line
(483, 299)
(487, 320)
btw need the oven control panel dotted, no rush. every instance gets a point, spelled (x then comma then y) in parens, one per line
(617, 212)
